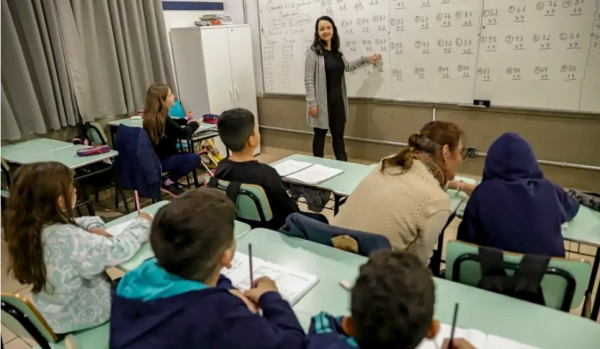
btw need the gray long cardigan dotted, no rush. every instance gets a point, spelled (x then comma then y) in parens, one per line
(316, 86)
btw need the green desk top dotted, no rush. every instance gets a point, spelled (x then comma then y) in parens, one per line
(343, 184)
(140, 123)
(488, 312)
(145, 250)
(584, 228)
(18, 152)
(68, 156)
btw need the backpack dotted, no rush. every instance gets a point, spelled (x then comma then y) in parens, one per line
(524, 284)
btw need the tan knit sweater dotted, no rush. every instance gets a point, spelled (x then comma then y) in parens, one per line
(399, 206)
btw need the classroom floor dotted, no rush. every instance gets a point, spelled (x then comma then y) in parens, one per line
(9, 284)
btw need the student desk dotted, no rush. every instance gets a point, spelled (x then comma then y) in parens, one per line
(18, 151)
(488, 312)
(41, 149)
(341, 185)
(204, 132)
(145, 250)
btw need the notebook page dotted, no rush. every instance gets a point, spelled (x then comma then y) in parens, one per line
(476, 338)
(495, 342)
(292, 284)
(290, 166)
(314, 174)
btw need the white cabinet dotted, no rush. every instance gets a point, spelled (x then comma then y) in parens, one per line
(215, 71)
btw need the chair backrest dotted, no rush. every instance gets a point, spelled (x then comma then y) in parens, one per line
(21, 317)
(6, 171)
(251, 203)
(563, 285)
(96, 133)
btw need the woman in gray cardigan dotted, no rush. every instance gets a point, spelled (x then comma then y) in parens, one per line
(326, 87)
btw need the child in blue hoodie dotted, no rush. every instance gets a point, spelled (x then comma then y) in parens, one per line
(515, 208)
(180, 299)
(392, 308)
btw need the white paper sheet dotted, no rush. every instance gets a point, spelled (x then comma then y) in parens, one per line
(290, 166)
(477, 338)
(314, 174)
(292, 284)
(118, 229)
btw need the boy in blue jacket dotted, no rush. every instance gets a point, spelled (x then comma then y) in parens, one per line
(392, 308)
(180, 299)
(515, 208)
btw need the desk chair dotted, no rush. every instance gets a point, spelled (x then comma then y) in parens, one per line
(4, 191)
(563, 285)
(21, 317)
(251, 203)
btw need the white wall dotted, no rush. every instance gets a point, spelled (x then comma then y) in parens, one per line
(235, 8)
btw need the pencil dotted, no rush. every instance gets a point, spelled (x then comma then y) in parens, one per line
(137, 201)
(453, 326)
(251, 272)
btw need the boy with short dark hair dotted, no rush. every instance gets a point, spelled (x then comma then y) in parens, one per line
(239, 133)
(180, 299)
(392, 307)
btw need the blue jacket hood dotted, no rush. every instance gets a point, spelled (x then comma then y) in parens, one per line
(511, 158)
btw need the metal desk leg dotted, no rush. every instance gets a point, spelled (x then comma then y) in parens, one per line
(336, 206)
(86, 199)
(118, 189)
(112, 136)
(588, 298)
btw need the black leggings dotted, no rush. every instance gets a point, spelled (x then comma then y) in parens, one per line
(337, 124)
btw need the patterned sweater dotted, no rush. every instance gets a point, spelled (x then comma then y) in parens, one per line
(410, 208)
(78, 290)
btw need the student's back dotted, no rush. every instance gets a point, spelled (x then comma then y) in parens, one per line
(180, 300)
(265, 176)
(239, 132)
(515, 208)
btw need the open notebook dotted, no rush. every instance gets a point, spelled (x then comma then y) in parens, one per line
(118, 229)
(477, 338)
(292, 284)
(305, 172)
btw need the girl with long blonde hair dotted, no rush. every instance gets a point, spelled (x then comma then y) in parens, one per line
(165, 132)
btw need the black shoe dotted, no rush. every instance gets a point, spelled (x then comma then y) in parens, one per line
(172, 189)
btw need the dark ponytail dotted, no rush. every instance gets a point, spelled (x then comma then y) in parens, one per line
(431, 139)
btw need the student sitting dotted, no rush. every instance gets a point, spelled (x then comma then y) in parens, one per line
(239, 132)
(391, 304)
(180, 300)
(165, 133)
(62, 257)
(515, 208)
(404, 198)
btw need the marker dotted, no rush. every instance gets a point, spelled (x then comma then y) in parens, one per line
(137, 201)
(453, 326)
(251, 273)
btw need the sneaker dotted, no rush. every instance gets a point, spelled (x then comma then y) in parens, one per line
(172, 189)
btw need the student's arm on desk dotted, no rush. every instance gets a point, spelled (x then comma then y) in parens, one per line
(568, 206)
(93, 254)
(172, 129)
(89, 222)
(278, 328)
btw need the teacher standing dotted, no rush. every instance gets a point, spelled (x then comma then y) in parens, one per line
(326, 87)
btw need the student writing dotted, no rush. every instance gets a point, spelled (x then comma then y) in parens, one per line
(62, 257)
(165, 133)
(180, 299)
(515, 208)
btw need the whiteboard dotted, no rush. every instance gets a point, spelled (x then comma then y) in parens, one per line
(514, 53)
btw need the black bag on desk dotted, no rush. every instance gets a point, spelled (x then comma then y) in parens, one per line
(591, 200)
(524, 284)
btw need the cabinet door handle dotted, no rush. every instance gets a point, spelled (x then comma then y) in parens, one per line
(238, 92)
(231, 95)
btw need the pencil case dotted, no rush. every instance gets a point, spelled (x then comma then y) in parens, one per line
(95, 150)
(210, 118)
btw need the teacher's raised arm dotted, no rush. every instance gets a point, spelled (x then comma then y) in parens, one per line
(325, 84)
